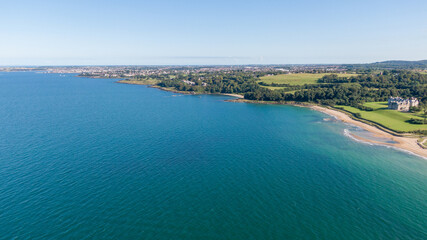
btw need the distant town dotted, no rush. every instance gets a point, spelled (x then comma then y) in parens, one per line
(141, 71)
(133, 71)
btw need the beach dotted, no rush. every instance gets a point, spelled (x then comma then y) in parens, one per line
(405, 143)
(408, 144)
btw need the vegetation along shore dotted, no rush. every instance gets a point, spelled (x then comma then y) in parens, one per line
(353, 95)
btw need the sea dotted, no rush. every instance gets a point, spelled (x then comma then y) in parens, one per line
(85, 158)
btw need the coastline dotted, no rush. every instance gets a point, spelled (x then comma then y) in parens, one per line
(177, 91)
(408, 144)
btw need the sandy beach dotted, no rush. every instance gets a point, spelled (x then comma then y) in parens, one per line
(233, 95)
(406, 143)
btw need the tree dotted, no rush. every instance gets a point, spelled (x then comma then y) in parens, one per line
(423, 106)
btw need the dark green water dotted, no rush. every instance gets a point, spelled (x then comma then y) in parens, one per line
(92, 159)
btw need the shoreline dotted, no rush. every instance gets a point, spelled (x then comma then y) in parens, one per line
(407, 144)
(403, 143)
(177, 91)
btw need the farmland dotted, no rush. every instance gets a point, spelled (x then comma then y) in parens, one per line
(298, 78)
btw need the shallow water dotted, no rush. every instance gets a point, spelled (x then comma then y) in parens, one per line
(360, 132)
(91, 159)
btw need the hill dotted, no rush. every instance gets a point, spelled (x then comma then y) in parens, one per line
(391, 64)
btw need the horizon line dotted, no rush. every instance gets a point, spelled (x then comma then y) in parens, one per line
(237, 64)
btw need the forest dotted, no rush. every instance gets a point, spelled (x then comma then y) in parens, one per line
(329, 90)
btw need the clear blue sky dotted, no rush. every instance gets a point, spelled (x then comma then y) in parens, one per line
(211, 32)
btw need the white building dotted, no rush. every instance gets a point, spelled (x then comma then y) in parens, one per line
(401, 104)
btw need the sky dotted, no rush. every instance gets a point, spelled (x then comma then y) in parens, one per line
(128, 32)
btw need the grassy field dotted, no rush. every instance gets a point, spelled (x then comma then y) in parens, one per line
(273, 88)
(139, 82)
(298, 78)
(391, 119)
(423, 142)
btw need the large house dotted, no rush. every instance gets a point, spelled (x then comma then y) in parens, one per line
(401, 104)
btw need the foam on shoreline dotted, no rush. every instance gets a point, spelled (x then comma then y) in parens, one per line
(406, 144)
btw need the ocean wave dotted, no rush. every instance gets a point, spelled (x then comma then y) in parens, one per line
(347, 133)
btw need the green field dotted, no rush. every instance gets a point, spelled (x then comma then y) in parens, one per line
(391, 119)
(149, 81)
(298, 78)
(274, 88)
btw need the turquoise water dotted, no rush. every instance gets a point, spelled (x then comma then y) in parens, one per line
(91, 159)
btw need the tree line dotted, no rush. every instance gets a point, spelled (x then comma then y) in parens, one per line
(329, 90)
